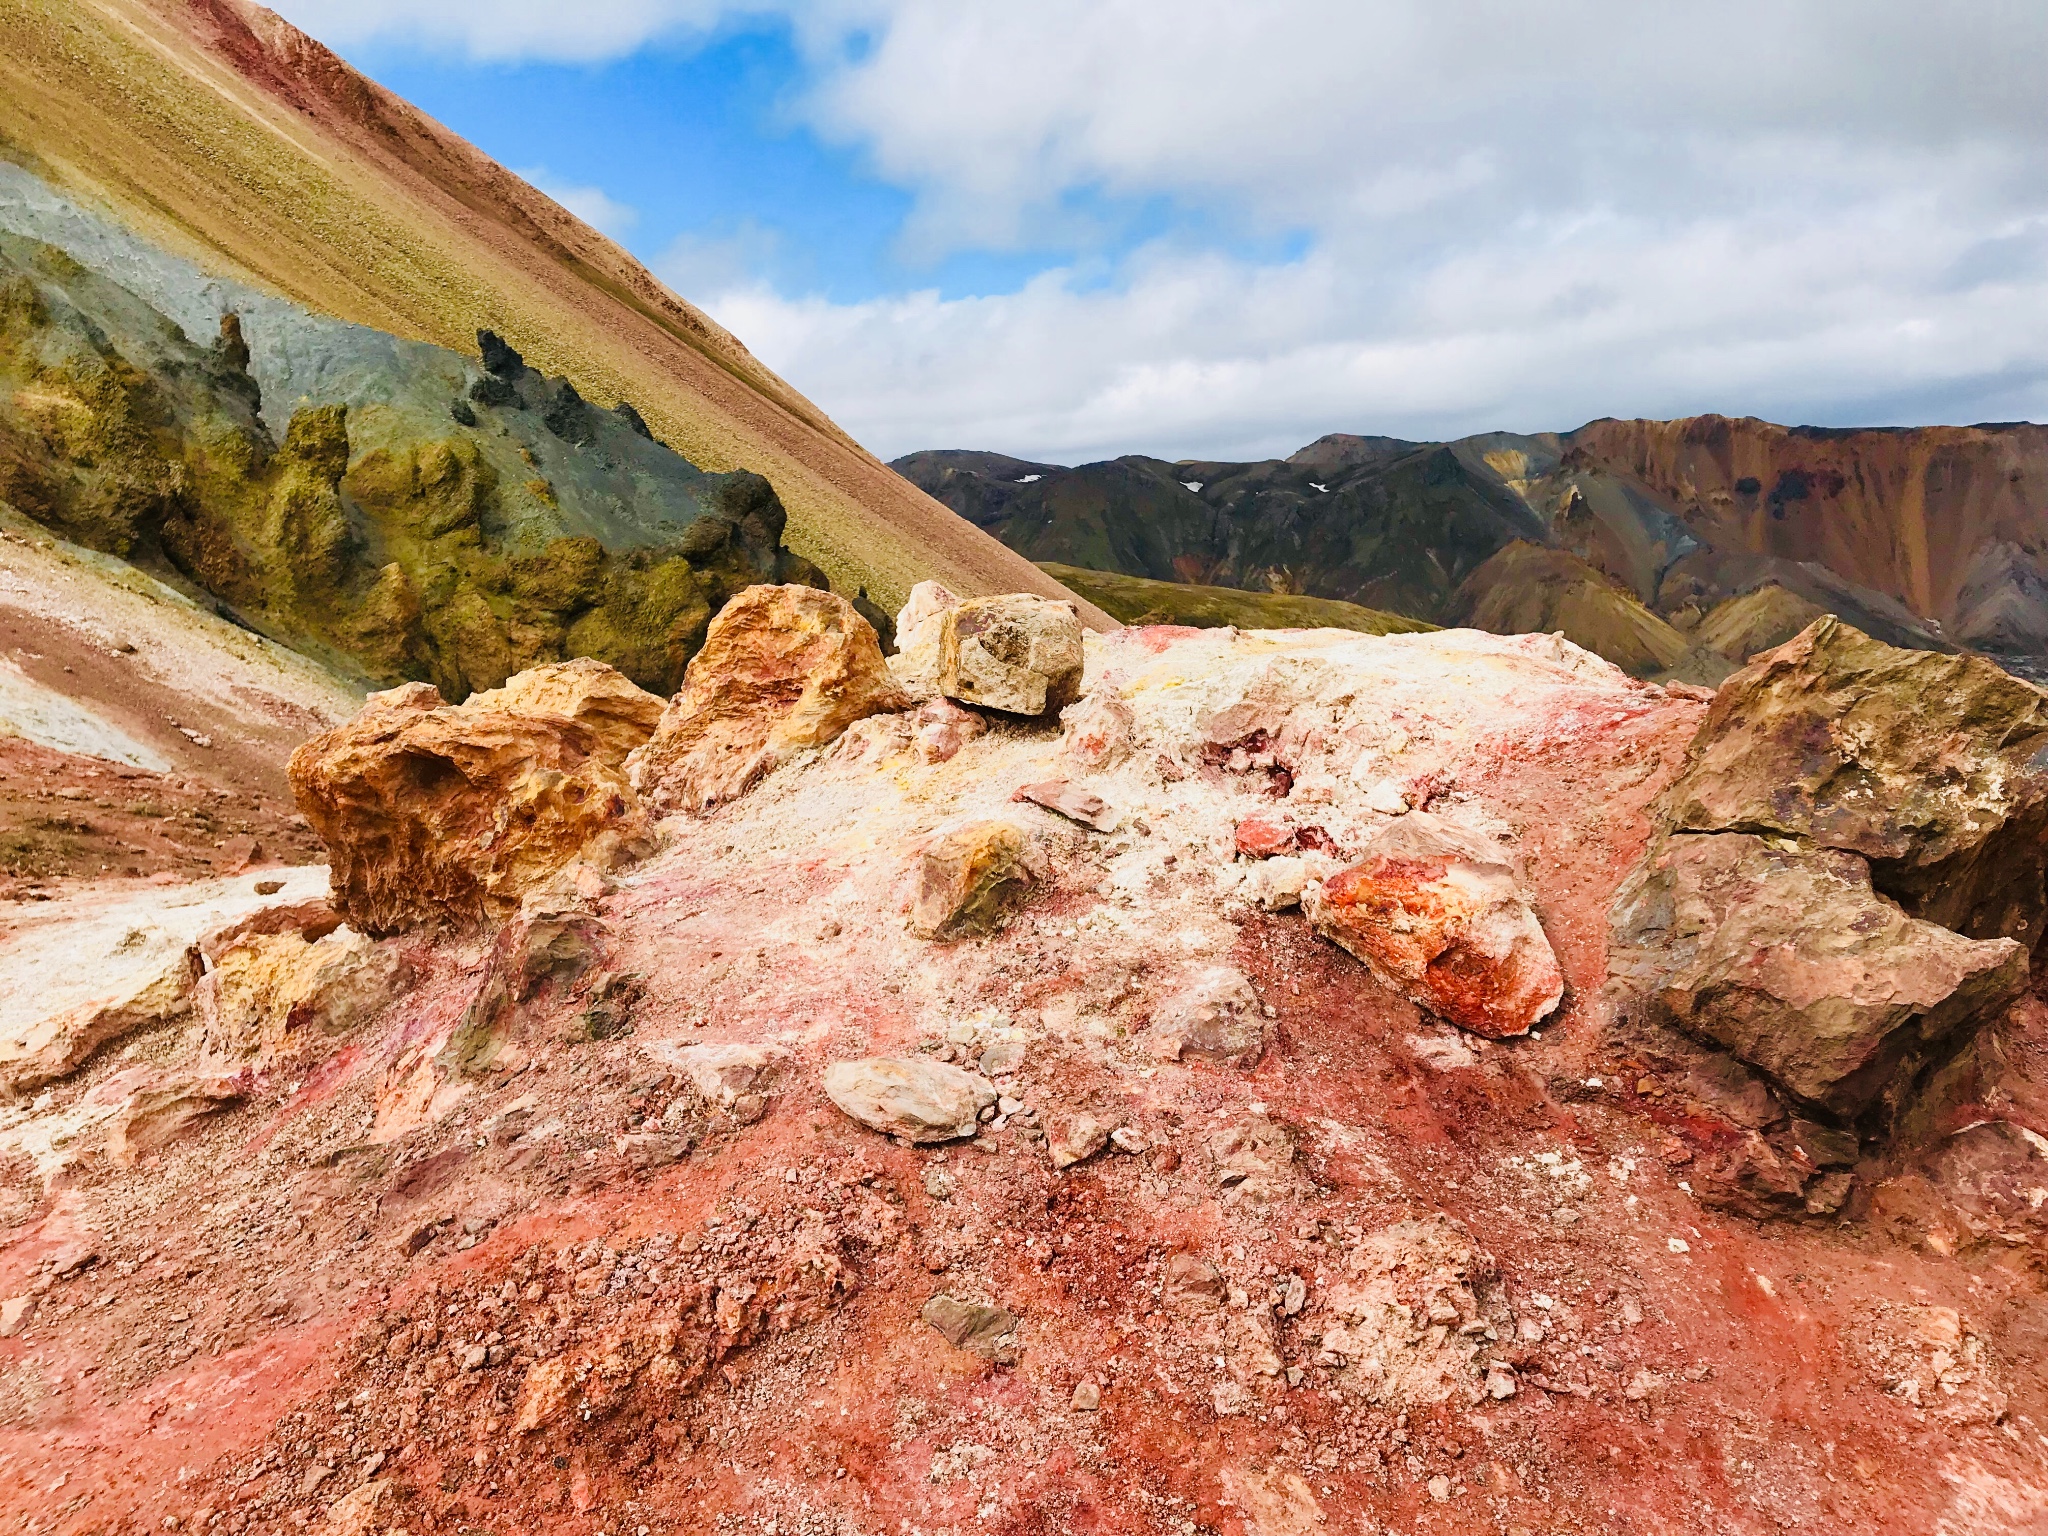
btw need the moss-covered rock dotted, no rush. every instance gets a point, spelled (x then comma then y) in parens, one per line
(393, 536)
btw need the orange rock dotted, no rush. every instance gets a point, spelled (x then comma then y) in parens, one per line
(434, 813)
(622, 714)
(783, 669)
(1437, 916)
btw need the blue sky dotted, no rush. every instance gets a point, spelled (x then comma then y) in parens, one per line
(1069, 229)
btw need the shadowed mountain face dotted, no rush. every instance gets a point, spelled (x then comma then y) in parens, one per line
(1636, 534)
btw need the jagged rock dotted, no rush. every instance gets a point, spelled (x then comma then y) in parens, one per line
(1017, 653)
(963, 879)
(1097, 731)
(910, 1096)
(723, 1074)
(918, 626)
(1071, 801)
(438, 813)
(985, 1330)
(783, 669)
(1192, 1284)
(1214, 1014)
(600, 697)
(155, 1115)
(1787, 958)
(273, 996)
(1437, 915)
(1932, 767)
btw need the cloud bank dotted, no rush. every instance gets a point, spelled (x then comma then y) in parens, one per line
(1392, 215)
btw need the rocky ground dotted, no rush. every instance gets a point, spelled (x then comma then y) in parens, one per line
(861, 1108)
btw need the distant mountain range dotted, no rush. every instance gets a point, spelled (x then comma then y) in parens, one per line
(1674, 548)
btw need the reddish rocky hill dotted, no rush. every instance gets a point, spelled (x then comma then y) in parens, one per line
(1184, 1082)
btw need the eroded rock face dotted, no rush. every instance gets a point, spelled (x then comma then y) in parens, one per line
(1790, 961)
(620, 715)
(273, 996)
(440, 814)
(962, 880)
(909, 1096)
(783, 669)
(1017, 653)
(1436, 914)
(1934, 768)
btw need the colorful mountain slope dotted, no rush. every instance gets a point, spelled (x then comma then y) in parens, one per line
(222, 134)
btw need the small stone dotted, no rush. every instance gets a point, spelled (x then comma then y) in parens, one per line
(1074, 1138)
(971, 1325)
(15, 1314)
(1440, 1488)
(1213, 1014)
(964, 879)
(1071, 801)
(269, 887)
(1500, 1381)
(1087, 1397)
(909, 1096)
(1124, 1139)
(474, 1357)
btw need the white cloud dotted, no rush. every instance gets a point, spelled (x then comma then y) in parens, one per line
(504, 30)
(1507, 213)
(1546, 326)
(593, 205)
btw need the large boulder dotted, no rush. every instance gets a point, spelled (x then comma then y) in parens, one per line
(1436, 913)
(619, 713)
(1016, 653)
(1788, 959)
(783, 670)
(1932, 767)
(910, 1096)
(450, 814)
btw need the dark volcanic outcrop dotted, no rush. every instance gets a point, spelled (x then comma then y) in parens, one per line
(428, 520)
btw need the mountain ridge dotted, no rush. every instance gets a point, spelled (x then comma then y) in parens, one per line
(1926, 537)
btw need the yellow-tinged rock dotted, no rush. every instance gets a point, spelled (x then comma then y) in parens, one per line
(783, 669)
(621, 714)
(964, 878)
(437, 814)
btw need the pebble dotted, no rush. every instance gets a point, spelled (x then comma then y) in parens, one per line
(1087, 1397)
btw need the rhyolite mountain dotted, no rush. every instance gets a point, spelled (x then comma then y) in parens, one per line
(221, 135)
(1673, 548)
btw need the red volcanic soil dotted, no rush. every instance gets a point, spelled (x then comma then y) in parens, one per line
(586, 1296)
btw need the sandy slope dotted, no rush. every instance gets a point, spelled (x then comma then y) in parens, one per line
(223, 133)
